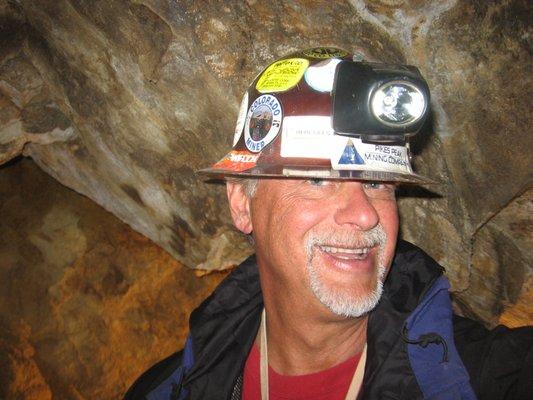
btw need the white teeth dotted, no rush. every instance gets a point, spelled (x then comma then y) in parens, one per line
(333, 250)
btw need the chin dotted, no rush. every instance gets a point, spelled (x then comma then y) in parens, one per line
(348, 292)
(350, 302)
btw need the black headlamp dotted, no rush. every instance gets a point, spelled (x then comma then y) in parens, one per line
(379, 102)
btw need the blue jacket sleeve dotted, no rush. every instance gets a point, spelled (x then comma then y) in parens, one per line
(153, 377)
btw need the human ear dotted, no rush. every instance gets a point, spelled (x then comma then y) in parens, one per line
(239, 205)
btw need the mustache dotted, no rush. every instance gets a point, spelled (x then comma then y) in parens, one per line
(347, 239)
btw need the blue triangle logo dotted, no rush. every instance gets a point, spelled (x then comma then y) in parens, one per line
(350, 155)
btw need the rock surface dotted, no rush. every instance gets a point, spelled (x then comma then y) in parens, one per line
(123, 101)
(86, 303)
(505, 240)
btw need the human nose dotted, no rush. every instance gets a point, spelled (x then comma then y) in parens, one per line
(354, 207)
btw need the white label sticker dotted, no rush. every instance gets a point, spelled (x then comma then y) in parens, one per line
(353, 154)
(313, 137)
(262, 122)
(307, 137)
(320, 76)
(240, 119)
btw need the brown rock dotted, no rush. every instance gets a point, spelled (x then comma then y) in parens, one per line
(89, 303)
(27, 113)
(501, 274)
(21, 377)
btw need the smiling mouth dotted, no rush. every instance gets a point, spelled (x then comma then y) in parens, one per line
(345, 253)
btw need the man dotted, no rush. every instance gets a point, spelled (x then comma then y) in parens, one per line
(332, 306)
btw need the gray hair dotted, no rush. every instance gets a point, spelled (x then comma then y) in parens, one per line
(249, 185)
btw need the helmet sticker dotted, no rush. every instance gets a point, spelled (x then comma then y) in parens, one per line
(240, 119)
(320, 76)
(325, 52)
(237, 161)
(350, 156)
(358, 56)
(307, 137)
(356, 155)
(313, 137)
(282, 75)
(262, 122)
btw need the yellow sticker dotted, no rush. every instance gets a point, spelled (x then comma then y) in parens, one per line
(282, 75)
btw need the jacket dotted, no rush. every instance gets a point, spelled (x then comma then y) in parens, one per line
(417, 349)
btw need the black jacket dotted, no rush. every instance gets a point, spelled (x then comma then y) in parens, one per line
(411, 354)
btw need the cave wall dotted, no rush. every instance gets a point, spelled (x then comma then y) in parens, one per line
(122, 101)
(86, 303)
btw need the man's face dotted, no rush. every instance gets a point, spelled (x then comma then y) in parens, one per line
(320, 241)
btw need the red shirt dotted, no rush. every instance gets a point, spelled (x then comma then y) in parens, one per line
(330, 384)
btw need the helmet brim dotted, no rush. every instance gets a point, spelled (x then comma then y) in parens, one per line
(307, 172)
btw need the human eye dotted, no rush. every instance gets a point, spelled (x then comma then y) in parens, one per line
(374, 185)
(379, 189)
(318, 182)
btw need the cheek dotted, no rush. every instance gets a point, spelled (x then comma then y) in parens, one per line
(294, 213)
(389, 220)
(288, 223)
(305, 215)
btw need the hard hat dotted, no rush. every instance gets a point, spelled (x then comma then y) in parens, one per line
(325, 113)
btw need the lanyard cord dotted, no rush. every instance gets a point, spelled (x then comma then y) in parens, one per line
(263, 357)
(355, 384)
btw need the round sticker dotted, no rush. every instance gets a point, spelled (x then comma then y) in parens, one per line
(240, 119)
(262, 122)
(320, 76)
(358, 57)
(282, 75)
(325, 52)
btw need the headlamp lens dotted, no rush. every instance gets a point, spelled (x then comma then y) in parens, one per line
(398, 103)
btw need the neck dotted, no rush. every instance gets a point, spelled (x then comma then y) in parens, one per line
(302, 341)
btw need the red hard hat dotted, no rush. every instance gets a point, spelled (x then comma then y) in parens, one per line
(325, 113)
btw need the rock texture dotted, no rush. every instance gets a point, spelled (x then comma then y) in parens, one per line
(27, 111)
(86, 303)
(505, 240)
(142, 112)
(123, 101)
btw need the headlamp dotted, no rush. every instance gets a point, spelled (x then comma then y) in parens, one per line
(398, 103)
(379, 102)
